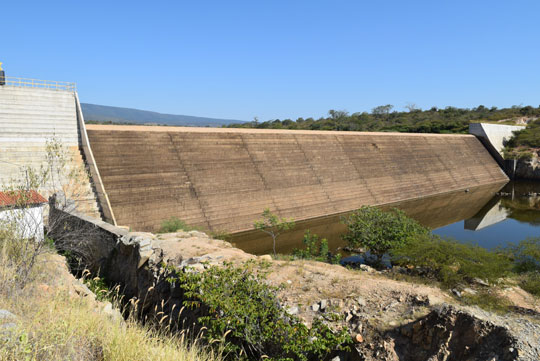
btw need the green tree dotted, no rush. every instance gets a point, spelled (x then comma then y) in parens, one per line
(273, 225)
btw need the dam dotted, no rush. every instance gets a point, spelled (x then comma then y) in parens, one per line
(222, 179)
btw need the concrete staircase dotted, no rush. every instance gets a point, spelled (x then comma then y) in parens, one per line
(31, 117)
(222, 179)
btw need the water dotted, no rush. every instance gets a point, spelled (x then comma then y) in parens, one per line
(492, 216)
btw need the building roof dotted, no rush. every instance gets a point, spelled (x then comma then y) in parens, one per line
(15, 198)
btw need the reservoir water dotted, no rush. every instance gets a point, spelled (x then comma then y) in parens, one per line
(491, 216)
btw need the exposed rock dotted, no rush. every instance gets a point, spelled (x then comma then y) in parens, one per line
(198, 234)
(82, 290)
(292, 310)
(361, 301)
(528, 168)
(366, 268)
(266, 257)
(323, 304)
(481, 282)
(469, 291)
(112, 312)
(5, 315)
(444, 334)
(7, 326)
(7, 322)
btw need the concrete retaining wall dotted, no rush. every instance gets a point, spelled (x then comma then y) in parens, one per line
(494, 136)
(29, 117)
(222, 179)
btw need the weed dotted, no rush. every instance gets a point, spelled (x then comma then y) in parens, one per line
(487, 300)
(174, 224)
(530, 282)
(315, 249)
(453, 263)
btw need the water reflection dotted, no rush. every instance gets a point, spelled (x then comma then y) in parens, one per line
(510, 216)
(492, 213)
(489, 215)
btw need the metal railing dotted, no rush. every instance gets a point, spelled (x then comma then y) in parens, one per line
(42, 84)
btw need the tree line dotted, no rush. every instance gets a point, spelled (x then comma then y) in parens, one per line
(414, 120)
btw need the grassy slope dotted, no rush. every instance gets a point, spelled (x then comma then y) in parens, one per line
(54, 323)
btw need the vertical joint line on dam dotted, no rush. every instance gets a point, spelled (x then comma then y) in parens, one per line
(310, 165)
(259, 173)
(356, 168)
(191, 185)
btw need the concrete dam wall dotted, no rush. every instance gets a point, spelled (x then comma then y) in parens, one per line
(29, 118)
(222, 179)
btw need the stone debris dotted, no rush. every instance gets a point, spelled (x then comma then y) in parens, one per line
(323, 304)
(112, 312)
(7, 323)
(361, 301)
(293, 310)
(389, 314)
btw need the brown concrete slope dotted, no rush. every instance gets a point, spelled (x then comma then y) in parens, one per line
(222, 179)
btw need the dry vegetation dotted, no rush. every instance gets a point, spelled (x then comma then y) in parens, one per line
(55, 323)
(54, 320)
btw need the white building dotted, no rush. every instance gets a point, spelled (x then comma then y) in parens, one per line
(24, 212)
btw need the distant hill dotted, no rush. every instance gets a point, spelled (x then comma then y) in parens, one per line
(103, 113)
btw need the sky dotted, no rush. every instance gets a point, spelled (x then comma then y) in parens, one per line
(278, 58)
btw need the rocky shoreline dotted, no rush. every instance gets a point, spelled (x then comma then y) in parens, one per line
(528, 169)
(388, 319)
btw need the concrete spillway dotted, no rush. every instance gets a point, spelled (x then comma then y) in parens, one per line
(29, 119)
(222, 179)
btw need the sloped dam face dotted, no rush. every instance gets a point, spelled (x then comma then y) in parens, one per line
(223, 179)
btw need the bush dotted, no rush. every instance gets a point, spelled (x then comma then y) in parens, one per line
(174, 224)
(488, 300)
(526, 255)
(453, 263)
(528, 137)
(315, 249)
(531, 283)
(380, 231)
(241, 310)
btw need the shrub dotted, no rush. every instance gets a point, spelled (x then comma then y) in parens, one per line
(315, 249)
(174, 224)
(488, 300)
(528, 137)
(452, 262)
(380, 231)
(242, 310)
(531, 283)
(526, 255)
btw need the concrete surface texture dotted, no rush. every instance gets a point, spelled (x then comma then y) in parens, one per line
(29, 117)
(222, 179)
(495, 134)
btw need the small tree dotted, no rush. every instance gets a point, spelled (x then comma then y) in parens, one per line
(272, 225)
(64, 179)
(380, 231)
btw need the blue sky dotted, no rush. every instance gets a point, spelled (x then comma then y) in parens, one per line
(278, 58)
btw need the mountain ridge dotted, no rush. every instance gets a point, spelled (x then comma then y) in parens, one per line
(105, 113)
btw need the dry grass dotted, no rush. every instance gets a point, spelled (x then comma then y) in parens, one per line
(54, 324)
